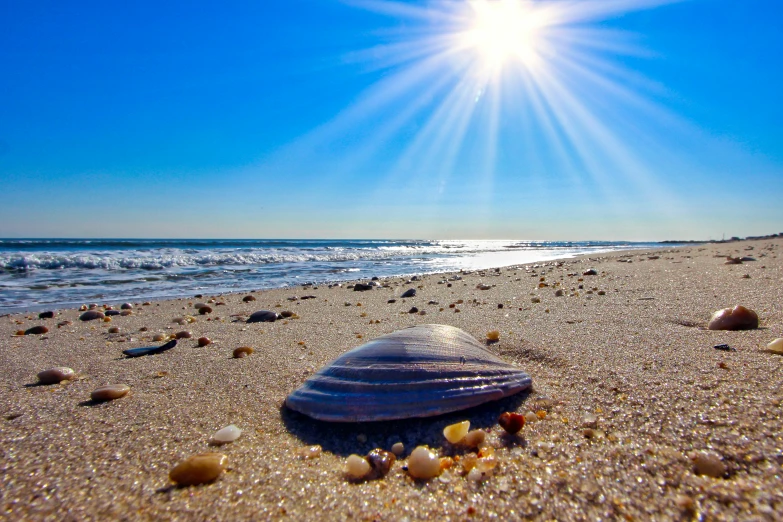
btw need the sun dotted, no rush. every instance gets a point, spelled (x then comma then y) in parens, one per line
(503, 31)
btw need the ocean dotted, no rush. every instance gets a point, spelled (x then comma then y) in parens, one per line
(58, 273)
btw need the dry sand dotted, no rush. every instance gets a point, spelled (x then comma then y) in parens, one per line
(638, 358)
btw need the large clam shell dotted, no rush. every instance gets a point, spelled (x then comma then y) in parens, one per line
(420, 371)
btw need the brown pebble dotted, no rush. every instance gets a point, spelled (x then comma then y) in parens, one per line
(199, 469)
(381, 462)
(56, 375)
(110, 392)
(204, 310)
(242, 351)
(46, 315)
(126, 306)
(183, 335)
(90, 315)
(114, 329)
(511, 422)
(203, 341)
(126, 313)
(159, 337)
(287, 313)
(248, 298)
(708, 463)
(63, 323)
(737, 318)
(36, 330)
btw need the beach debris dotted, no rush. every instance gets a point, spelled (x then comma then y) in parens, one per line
(775, 346)
(732, 261)
(199, 469)
(310, 452)
(91, 315)
(56, 375)
(110, 392)
(46, 315)
(180, 321)
(737, 318)
(150, 350)
(423, 463)
(183, 335)
(708, 463)
(249, 298)
(204, 310)
(263, 316)
(225, 435)
(203, 341)
(411, 292)
(724, 347)
(242, 351)
(493, 336)
(454, 433)
(357, 467)
(450, 369)
(64, 323)
(36, 330)
(511, 422)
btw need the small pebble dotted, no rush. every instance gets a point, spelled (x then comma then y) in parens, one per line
(114, 330)
(203, 341)
(36, 330)
(110, 392)
(398, 448)
(423, 463)
(263, 316)
(357, 467)
(409, 293)
(183, 335)
(708, 463)
(456, 432)
(737, 318)
(159, 337)
(228, 434)
(310, 452)
(204, 310)
(242, 351)
(46, 315)
(248, 298)
(90, 315)
(493, 336)
(199, 469)
(381, 462)
(126, 306)
(56, 375)
(511, 422)
(475, 438)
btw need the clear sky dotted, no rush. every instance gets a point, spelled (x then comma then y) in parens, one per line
(564, 119)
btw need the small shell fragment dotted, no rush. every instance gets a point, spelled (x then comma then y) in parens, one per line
(228, 434)
(110, 392)
(423, 463)
(357, 467)
(199, 469)
(456, 432)
(56, 375)
(776, 346)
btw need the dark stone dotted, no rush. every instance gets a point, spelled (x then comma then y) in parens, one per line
(413, 310)
(263, 316)
(46, 315)
(150, 350)
(108, 313)
(390, 301)
(36, 330)
(361, 287)
(90, 315)
(409, 293)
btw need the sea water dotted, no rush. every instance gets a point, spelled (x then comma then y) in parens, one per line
(58, 273)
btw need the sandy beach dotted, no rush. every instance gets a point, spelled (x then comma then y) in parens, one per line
(632, 390)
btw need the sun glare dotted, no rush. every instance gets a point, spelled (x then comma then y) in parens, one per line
(503, 31)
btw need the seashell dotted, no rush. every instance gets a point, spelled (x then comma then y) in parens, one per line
(263, 316)
(420, 371)
(89, 315)
(228, 434)
(150, 350)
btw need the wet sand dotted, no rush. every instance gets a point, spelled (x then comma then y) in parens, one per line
(635, 391)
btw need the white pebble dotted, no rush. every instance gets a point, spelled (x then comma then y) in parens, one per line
(356, 466)
(423, 463)
(456, 432)
(228, 434)
(776, 346)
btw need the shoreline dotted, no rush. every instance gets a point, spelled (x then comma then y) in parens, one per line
(631, 364)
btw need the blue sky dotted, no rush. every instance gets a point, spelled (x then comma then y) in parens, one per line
(637, 120)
